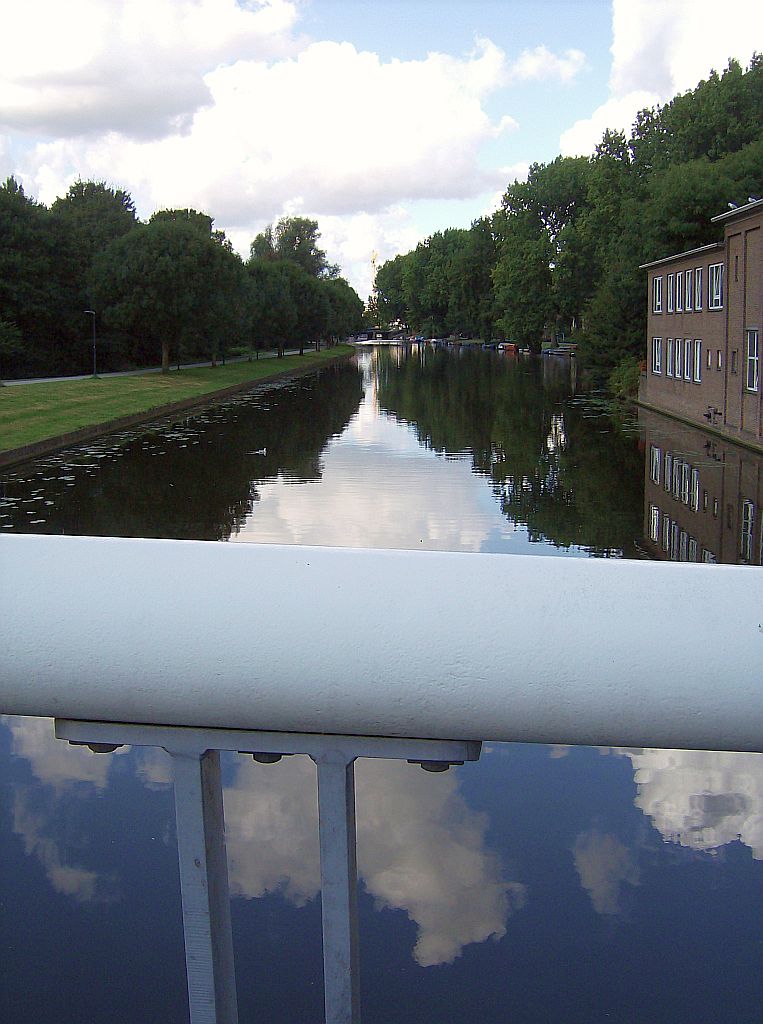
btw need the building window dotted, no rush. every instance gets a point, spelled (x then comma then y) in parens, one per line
(655, 457)
(683, 554)
(666, 533)
(679, 359)
(687, 359)
(692, 549)
(715, 287)
(705, 498)
(674, 541)
(753, 361)
(689, 303)
(709, 359)
(677, 478)
(697, 361)
(748, 522)
(715, 508)
(657, 295)
(671, 292)
(654, 523)
(685, 482)
(719, 359)
(669, 359)
(668, 470)
(698, 287)
(656, 355)
(679, 291)
(708, 556)
(695, 490)
(734, 360)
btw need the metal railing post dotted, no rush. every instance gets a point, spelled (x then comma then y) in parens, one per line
(204, 888)
(339, 887)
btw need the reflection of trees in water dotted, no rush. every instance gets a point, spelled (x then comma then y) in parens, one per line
(571, 478)
(193, 479)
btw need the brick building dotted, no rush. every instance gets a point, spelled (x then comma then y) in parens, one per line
(703, 331)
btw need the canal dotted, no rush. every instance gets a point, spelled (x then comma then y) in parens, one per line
(539, 884)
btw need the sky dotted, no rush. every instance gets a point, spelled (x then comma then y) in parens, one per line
(385, 121)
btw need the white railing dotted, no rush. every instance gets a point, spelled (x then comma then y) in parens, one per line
(340, 654)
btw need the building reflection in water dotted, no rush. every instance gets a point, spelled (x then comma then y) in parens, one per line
(703, 497)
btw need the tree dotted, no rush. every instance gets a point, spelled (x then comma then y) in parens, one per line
(10, 342)
(345, 308)
(294, 239)
(171, 284)
(93, 214)
(31, 294)
(273, 316)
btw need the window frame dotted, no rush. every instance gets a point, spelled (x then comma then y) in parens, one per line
(697, 360)
(688, 358)
(657, 293)
(697, 289)
(679, 291)
(689, 291)
(679, 359)
(752, 361)
(657, 356)
(715, 286)
(671, 291)
(654, 524)
(747, 526)
(655, 463)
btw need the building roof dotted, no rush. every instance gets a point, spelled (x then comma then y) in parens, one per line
(739, 210)
(679, 255)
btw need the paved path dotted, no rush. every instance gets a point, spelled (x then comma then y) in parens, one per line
(137, 373)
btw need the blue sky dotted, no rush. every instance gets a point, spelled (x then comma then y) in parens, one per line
(385, 121)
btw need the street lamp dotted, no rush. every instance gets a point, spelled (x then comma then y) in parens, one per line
(91, 312)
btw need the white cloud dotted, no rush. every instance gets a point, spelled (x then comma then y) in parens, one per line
(220, 105)
(660, 49)
(617, 114)
(540, 64)
(287, 132)
(420, 849)
(129, 66)
(604, 864)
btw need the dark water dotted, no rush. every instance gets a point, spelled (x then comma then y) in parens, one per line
(540, 884)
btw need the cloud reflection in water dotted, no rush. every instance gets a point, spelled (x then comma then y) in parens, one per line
(604, 864)
(701, 799)
(420, 849)
(36, 812)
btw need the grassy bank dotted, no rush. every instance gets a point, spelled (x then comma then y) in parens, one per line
(31, 413)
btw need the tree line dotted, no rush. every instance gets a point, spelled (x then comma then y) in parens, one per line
(560, 258)
(168, 289)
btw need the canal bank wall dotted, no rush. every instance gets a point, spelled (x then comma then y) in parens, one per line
(705, 428)
(48, 446)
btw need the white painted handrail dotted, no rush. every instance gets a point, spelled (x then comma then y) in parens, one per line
(386, 643)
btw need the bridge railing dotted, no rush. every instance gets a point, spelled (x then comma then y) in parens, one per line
(200, 647)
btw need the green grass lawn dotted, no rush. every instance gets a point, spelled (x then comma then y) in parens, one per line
(35, 412)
